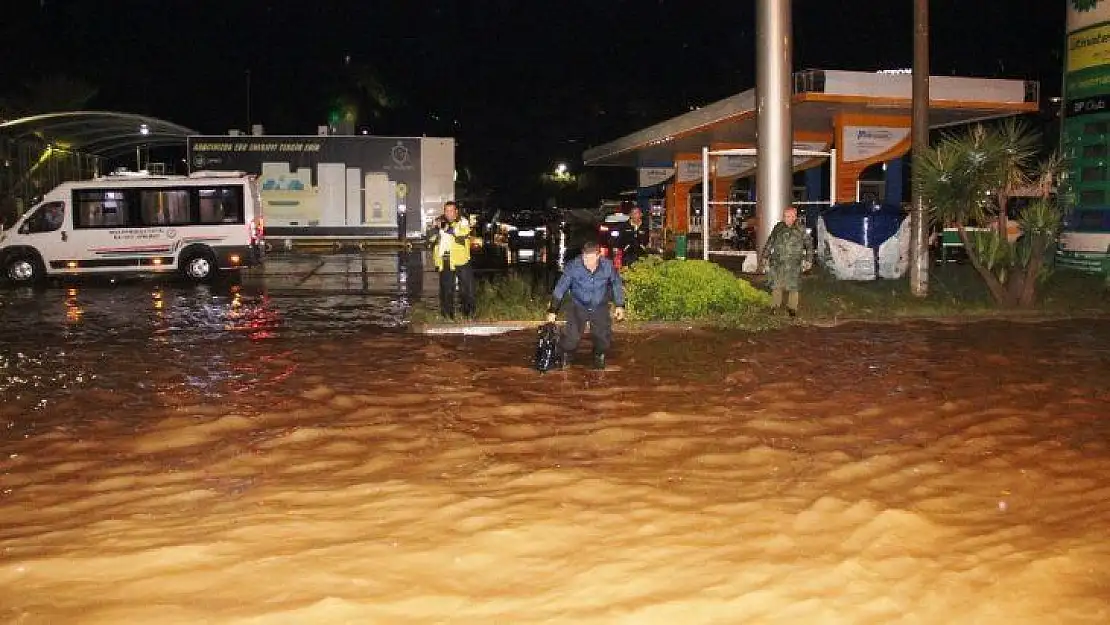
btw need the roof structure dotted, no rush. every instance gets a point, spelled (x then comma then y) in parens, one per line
(101, 133)
(819, 97)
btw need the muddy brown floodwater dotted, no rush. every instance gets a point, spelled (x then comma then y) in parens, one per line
(860, 474)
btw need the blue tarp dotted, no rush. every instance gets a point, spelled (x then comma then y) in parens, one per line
(869, 225)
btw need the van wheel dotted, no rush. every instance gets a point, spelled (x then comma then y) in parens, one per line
(24, 269)
(198, 266)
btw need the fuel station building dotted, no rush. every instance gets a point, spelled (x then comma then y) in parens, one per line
(861, 118)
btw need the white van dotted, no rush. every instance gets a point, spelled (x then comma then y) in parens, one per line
(197, 224)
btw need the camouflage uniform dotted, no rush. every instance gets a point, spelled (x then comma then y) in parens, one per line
(785, 251)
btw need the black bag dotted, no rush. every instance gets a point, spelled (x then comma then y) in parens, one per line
(549, 354)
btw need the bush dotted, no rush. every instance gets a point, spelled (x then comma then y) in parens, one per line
(692, 290)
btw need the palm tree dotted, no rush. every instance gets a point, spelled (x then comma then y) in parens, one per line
(376, 97)
(1017, 150)
(967, 179)
(363, 95)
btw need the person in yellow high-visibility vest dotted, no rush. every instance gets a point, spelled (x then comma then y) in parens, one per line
(449, 237)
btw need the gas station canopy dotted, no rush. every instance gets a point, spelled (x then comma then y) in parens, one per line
(859, 119)
(822, 100)
(99, 133)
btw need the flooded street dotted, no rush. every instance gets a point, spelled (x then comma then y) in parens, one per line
(203, 455)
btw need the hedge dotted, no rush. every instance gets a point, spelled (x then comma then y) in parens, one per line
(691, 290)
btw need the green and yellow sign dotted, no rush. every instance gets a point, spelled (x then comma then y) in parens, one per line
(1089, 48)
(1087, 70)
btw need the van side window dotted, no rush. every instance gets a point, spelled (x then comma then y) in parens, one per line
(222, 205)
(47, 218)
(164, 207)
(95, 208)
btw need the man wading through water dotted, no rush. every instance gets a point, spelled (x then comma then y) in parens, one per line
(450, 240)
(590, 279)
(787, 251)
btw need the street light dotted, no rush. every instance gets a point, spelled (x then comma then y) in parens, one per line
(144, 130)
(561, 169)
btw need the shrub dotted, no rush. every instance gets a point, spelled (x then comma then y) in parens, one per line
(691, 290)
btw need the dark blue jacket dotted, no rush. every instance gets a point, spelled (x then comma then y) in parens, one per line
(589, 290)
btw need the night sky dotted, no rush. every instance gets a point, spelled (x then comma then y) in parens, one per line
(521, 84)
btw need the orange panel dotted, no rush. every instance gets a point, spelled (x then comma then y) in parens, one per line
(669, 206)
(719, 213)
(847, 176)
(682, 206)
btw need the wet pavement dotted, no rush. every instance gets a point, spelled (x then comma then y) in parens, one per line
(232, 454)
(308, 296)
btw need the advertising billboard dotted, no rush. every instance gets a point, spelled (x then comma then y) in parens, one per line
(1085, 139)
(1087, 69)
(336, 185)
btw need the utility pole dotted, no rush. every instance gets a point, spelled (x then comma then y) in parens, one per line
(774, 45)
(919, 217)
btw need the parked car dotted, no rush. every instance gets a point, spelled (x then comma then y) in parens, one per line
(619, 240)
(528, 234)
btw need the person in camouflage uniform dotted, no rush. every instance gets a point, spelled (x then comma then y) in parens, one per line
(783, 256)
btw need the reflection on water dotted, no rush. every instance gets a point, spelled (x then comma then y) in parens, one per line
(175, 313)
(297, 297)
(41, 329)
(862, 474)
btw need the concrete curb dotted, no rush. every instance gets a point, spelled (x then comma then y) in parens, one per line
(473, 329)
(494, 328)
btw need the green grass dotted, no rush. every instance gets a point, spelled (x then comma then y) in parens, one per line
(504, 298)
(954, 291)
(513, 298)
(1069, 292)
